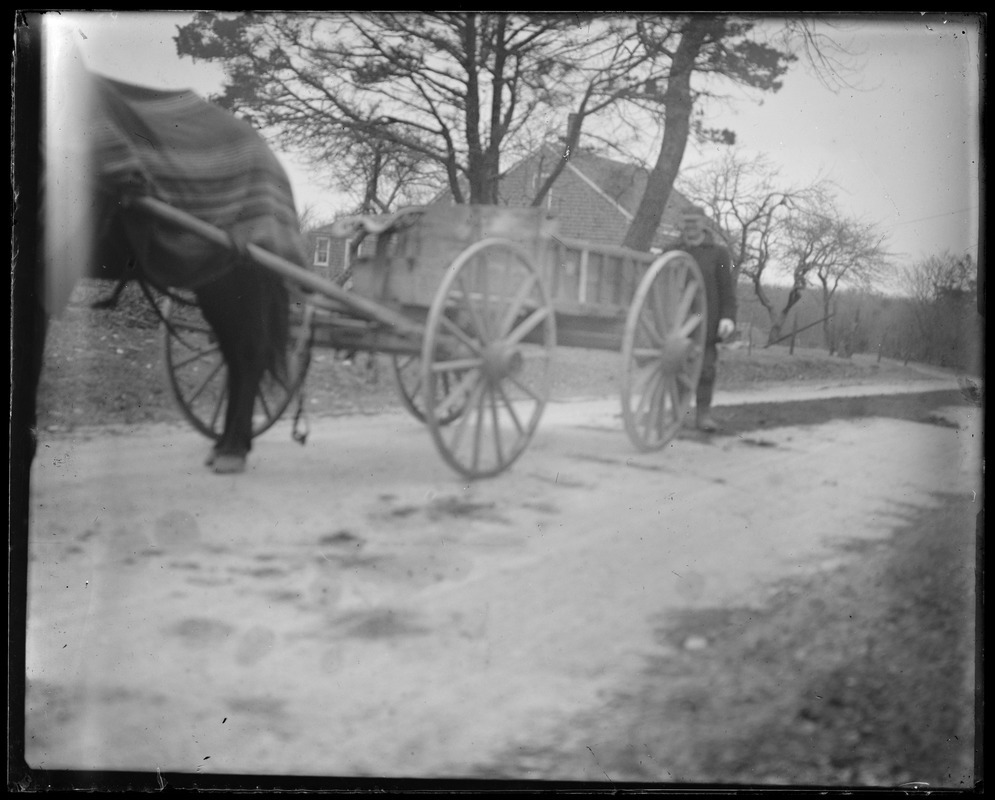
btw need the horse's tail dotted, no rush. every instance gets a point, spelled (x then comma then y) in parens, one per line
(276, 314)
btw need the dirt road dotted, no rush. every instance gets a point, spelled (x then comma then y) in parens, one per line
(352, 608)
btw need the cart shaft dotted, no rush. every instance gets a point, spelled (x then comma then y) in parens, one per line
(307, 280)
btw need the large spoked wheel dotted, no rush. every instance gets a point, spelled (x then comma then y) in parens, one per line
(410, 377)
(492, 329)
(198, 374)
(662, 350)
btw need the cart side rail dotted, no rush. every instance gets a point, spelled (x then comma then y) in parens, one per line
(593, 279)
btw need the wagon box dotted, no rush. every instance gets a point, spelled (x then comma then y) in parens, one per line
(410, 258)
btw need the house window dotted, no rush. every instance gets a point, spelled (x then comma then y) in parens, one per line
(322, 251)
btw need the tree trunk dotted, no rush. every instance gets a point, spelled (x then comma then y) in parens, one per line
(677, 125)
(828, 323)
(778, 320)
(574, 124)
(476, 158)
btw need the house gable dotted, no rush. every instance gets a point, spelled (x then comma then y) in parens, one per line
(594, 198)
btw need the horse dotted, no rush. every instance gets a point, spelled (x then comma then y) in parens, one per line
(108, 143)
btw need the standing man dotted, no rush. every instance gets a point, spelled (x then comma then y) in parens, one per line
(716, 267)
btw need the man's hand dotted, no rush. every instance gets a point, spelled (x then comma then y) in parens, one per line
(726, 327)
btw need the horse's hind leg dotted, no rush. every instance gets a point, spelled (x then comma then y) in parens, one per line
(221, 303)
(238, 308)
(232, 450)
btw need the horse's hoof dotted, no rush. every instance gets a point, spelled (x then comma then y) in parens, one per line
(227, 464)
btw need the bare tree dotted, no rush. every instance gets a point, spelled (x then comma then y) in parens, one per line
(834, 251)
(613, 68)
(752, 209)
(445, 98)
(942, 324)
(390, 176)
(453, 93)
(740, 50)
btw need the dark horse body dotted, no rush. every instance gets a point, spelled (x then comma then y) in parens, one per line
(108, 143)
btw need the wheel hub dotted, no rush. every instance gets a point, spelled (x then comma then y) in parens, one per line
(500, 361)
(675, 353)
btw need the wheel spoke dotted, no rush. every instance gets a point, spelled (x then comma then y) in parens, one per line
(460, 334)
(687, 298)
(460, 390)
(654, 335)
(191, 337)
(497, 427)
(190, 327)
(483, 274)
(478, 432)
(460, 428)
(263, 402)
(475, 313)
(222, 401)
(415, 389)
(528, 325)
(190, 398)
(405, 368)
(657, 306)
(456, 365)
(674, 393)
(645, 392)
(655, 416)
(511, 410)
(198, 356)
(515, 304)
(689, 325)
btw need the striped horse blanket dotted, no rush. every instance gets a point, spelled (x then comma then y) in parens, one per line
(180, 149)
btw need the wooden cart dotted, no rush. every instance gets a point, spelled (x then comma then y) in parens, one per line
(471, 302)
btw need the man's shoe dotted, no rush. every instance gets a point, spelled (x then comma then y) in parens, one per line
(707, 424)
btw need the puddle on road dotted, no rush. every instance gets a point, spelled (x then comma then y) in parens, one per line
(382, 623)
(201, 631)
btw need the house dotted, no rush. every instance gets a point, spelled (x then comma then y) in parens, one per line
(594, 199)
(329, 254)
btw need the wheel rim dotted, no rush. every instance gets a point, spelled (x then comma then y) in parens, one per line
(662, 349)
(492, 327)
(198, 374)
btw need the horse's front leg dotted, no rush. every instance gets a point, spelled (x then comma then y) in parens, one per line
(231, 452)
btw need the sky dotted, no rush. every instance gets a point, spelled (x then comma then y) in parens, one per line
(902, 146)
